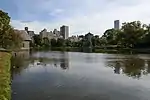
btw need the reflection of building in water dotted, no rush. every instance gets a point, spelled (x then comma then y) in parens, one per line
(117, 68)
(147, 64)
(148, 69)
(64, 61)
(21, 54)
(20, 60)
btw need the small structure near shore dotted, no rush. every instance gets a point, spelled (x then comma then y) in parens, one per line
(26, 39)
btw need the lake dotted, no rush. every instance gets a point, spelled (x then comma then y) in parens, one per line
(48, 75)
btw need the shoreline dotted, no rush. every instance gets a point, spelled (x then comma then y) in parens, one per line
(5, 63)
(98, 50)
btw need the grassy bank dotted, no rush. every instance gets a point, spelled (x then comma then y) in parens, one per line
(5, 88)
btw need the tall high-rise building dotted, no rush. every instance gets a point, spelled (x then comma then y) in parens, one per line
(64, 31)
(116, 24)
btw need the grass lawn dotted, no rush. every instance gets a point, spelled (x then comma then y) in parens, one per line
(5, 79)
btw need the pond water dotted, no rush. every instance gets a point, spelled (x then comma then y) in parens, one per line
(80, 76)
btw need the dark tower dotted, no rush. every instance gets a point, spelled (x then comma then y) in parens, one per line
(64, 31)
(26, 29)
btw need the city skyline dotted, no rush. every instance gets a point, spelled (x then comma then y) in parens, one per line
(82, 16)
(55, 34)
(65, 31)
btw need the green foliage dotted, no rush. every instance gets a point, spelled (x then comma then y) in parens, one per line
(77, 44)
(95, 41)
(112, 37)
(53, 42)
(46, 42)
(8, 37)
(131, 35)
(4, 19)
(68, 43)
(37, 40)
(60, 42)
(15, 39)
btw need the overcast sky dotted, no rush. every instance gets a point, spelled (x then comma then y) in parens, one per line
(81, 15)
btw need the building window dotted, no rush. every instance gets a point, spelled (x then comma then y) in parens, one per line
(23, 45)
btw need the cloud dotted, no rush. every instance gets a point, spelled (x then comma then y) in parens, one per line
(56, 12)
(81, 15)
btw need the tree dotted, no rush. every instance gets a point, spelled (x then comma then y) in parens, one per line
(37, 40)
(96, 41)
(111, 36)
(145, 41)
(129, 36)
(8, 37)
(16, 39)
(46, 42)
(60, 42)
(132, 33)
(4, 28)
(103, 41)
(81, 36)
(4, 19)
(53, 42)
(68, 43)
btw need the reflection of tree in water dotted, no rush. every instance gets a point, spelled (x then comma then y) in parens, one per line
(117, 68)
(147, 66)
(41, 60)
(19, 61)
(16, 65)
(148, 69)
(132, 67)
(61, 61)
(64, 61)
(64, 64)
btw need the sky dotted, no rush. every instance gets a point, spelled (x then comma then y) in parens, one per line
(81, 16)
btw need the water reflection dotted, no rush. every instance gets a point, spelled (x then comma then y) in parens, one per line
(23, 60)
(20, 60)
(41, 76)
(21, 54)
(117, 68)
(64, 61)
(133, 67)
(56, 60)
